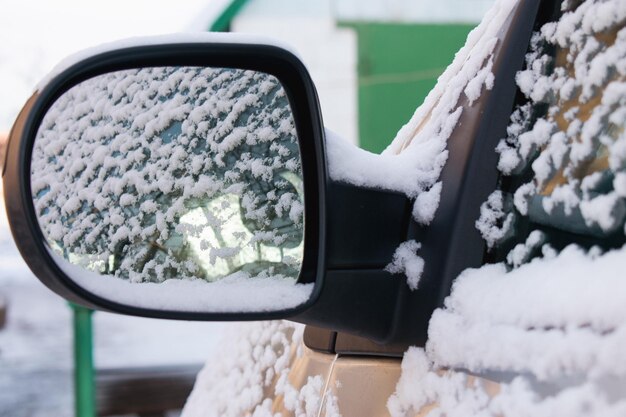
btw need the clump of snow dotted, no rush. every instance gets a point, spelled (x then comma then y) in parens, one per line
(565, 196)
(607, 211)
(539, 308)
(235, 383)
(406, 261)
(304, 401)
(495, 223)
(351, 164)
(331, 403)
(619, 184)
(509, 158)
(172, 172)
(522, 196)
(522, 252)
(407, 399)
(426, 204)
(484, 78)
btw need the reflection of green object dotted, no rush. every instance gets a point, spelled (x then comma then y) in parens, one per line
(84, 374)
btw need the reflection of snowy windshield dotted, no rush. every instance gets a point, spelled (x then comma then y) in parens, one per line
(162, 173)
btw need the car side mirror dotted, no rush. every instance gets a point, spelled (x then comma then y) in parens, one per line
(178, 179)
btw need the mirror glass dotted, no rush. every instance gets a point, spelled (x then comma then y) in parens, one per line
(174, 188)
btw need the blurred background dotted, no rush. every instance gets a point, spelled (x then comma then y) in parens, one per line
(373, 62)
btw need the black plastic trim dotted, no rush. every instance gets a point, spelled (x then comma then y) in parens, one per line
(365, 226)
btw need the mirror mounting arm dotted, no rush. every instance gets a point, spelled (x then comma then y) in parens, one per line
(364, 228)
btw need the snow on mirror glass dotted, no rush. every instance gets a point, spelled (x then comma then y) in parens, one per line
(175, 188)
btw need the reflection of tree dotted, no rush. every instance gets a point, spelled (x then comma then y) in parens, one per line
(122, 159)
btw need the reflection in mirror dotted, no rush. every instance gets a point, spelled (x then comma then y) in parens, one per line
(175, 178)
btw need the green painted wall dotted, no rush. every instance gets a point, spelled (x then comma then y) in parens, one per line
(398, 64)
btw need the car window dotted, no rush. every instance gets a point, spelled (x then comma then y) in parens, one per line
(563, 158)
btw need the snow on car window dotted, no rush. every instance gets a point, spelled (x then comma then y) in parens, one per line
(565, 146)
(172, 173)
(548, 318)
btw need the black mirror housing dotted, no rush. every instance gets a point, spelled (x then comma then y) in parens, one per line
(227, 52)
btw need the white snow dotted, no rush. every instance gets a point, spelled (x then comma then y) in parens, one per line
(426, 204)
(406, 261)
(521, 253)
(559, 321)
(455, 394)
(254, 376)
(545, 293)
(494, 223)
(607, 211)
(555, 323)
(528, 321)
(251, 372)
(509, 158)
(238, 292)
(351, 164)
(484, 78)
(521, 197)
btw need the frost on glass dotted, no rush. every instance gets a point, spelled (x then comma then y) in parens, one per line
(172, 173)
